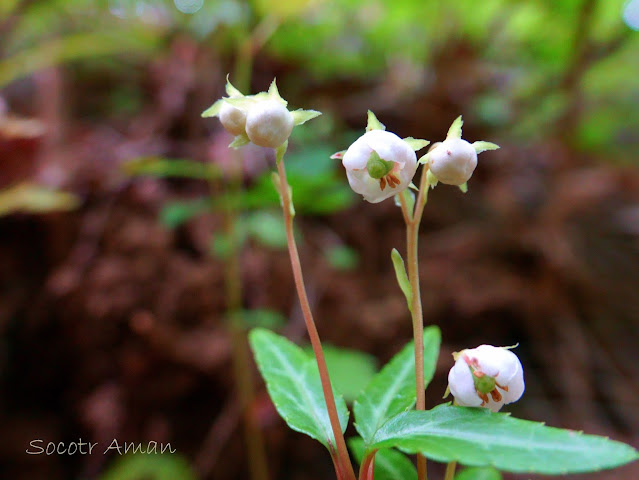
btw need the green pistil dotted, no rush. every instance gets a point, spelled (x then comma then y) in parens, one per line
(378, 168)
(484, 384)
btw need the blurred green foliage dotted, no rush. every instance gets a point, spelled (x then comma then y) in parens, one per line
(549, 63)
(31, 198)
(149, 467)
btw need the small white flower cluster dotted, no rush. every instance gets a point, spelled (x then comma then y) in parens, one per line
(262, 119)
(380, 165)
(486, 376)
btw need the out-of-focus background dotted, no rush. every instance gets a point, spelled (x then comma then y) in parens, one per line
(126, 224)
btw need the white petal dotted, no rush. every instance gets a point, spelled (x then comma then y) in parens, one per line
(357, 155)
(462, 386)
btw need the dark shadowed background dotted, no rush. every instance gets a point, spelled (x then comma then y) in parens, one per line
(115, 250)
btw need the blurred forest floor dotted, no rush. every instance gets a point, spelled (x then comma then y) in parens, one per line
(112, 324)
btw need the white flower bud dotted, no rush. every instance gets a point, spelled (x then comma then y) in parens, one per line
(453, 161)
(269, 123)
(486, 376)
(379, 165)
(233, 119)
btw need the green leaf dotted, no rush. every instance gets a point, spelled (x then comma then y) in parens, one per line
(416, 143)
(455, 130)
(302, 116)
(151, 467)
(175, 214)
(479, 473)
(373, 123)
(341, 257)
(389, 463)
(166, 167)
(478, 437)
(392, 391)
(483, 146)
(350, 370)
(402, 277)
(31, 198)
(214, 109)
(293, 383)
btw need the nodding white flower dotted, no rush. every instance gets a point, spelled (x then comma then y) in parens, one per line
(453, 161)
(269, 123)
(379, 164)
(261, 118)
(486, 376)
(233, 119)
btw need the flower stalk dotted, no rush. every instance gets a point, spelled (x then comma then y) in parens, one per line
(413, 220)
(344, 468)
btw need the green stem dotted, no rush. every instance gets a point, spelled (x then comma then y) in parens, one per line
(413, 220)
(343, 460)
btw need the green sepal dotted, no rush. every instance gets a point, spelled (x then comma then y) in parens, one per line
(274, 94)
(302, 116)
(231, 91)
(464, 187)
(431, 179)
(482, 146)
(455, 130)
(240, 141)
(214, 109)
(245, 103)
(423, 159)
(412, 186)
(402, 277)
(373, 123)
(416, 143)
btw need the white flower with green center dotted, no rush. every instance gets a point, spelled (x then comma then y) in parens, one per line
(379, 164)
(486, 376)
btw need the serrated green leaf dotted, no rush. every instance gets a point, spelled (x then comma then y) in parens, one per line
(214, 109)
(32, 198)
(392, 391)
(167, 167)
(389, 463)
(153, 466)
(416, 143)
(373, 123)
(479, 473)
(350, 370)
(293, 383)
(484, 146)
(240, 141)
(455, 130)
(478, 437)
(302, 116)
(402, 277)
